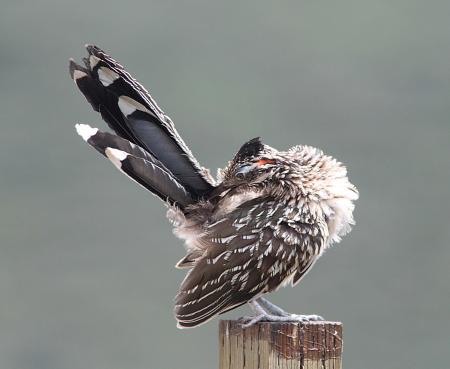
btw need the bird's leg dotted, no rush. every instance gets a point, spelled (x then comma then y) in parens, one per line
(266, 311)
(270, 308)
(274, 310)
(261, 314)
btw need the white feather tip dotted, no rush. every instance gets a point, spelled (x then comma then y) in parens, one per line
(116, 156)
(85, 131)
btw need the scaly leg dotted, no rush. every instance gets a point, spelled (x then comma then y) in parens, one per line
(270, 308)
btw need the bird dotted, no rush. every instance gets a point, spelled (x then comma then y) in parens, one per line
(261, 224)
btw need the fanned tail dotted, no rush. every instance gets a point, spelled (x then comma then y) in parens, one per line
(132, 113)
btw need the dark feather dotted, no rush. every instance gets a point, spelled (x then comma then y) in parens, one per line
(133, 114)
(101, 100)
(249, 150)
(139, 165)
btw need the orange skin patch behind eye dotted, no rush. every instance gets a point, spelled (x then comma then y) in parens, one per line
(265, 161)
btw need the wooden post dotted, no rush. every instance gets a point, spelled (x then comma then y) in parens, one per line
(274, 345)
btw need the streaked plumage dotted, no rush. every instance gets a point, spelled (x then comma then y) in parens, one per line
(263, 224)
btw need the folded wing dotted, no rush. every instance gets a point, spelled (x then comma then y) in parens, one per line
(248, 256)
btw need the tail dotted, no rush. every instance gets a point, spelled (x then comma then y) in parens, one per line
(132, 113)
(137, 164)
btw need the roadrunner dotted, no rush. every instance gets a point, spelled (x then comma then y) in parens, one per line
(261, 225)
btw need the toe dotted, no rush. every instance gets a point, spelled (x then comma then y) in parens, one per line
(252, 321)
(307, 318)
(317, 318)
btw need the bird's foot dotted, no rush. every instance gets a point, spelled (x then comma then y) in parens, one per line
(249, 321)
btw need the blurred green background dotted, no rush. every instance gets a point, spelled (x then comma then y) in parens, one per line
(86, 257)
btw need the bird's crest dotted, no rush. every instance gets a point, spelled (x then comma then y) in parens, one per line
(250, 149)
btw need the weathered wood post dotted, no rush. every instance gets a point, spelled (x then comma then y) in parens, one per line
(274, 345)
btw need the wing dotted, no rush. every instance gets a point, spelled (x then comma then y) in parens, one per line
(254, 250)
(133, 114)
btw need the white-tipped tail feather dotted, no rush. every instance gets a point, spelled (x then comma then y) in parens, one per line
(138, 164)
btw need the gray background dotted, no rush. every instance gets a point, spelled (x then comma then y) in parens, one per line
(86, 257)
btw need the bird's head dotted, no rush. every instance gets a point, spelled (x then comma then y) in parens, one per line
(254, 164)
(301, 171)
